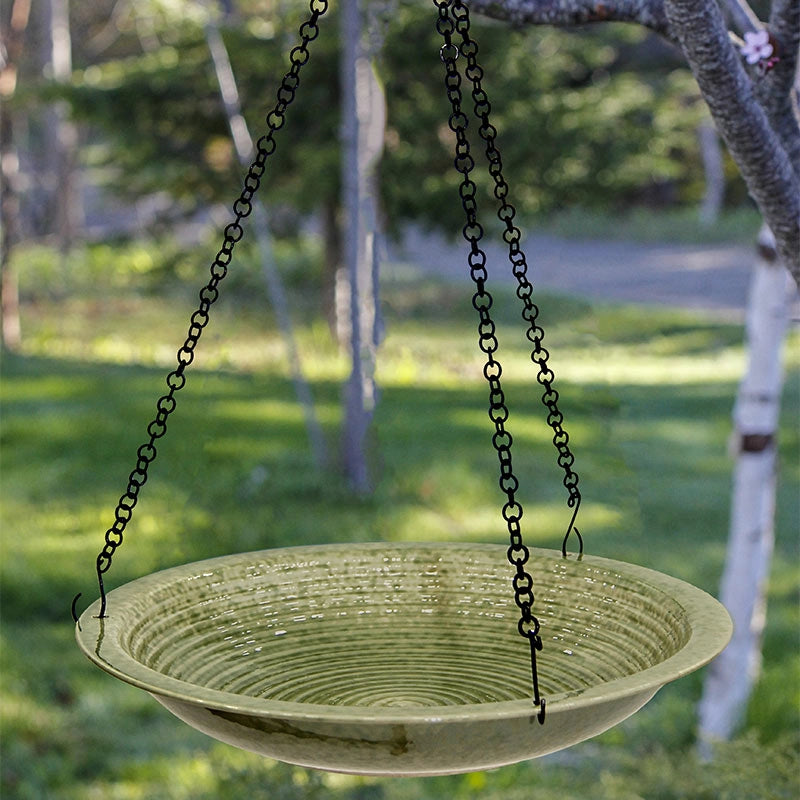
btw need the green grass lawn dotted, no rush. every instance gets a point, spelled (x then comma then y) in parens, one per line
(646, 394)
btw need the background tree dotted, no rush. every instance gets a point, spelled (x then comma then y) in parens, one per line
(603, 120)
(11, 50)
(358, 278)
(245, 150)
(62, 133)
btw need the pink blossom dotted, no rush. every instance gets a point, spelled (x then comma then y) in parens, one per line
(756, 47)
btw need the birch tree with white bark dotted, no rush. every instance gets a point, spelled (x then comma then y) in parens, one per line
(730, 679)
(747, 71)
(358, 308)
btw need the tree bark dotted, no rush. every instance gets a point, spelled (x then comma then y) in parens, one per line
(742, 15)
(356, 420)
(778, 89)
(568, 13)
(364, 117)
(714, 174)
(9, 235)
(730, 678)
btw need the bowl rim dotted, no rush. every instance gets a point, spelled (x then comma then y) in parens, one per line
(709, 623)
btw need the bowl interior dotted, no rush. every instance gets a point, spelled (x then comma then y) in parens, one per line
(395, 626)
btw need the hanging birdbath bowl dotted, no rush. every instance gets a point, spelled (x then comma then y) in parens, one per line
(400, 659)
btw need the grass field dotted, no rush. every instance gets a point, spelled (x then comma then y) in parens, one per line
(647, 398)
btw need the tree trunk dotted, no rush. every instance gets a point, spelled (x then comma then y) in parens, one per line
(372, 128)
(67, 204)
(332, 262)
(12, 44)
(752, 130)
(9, 300)
(9, 235)
(714, 173)
(243, 144)
(730, 678)
(363, 123)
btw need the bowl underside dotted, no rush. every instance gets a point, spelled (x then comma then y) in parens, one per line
(400, 658)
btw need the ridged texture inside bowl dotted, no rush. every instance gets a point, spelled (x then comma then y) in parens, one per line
(397, 626)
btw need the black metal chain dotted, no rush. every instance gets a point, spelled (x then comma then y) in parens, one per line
(512, 235)
(233, 232)
(518, 554)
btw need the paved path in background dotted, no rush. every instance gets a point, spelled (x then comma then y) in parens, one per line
(704, 277)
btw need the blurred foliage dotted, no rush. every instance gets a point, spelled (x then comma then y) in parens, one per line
(603, 117)
(163, 126)
(161, 264)
(599, 117)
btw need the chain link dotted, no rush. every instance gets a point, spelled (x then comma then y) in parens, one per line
(518, 554)
(512, 235)
(233, 233)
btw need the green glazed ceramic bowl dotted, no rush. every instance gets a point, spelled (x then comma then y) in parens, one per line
(400, 659)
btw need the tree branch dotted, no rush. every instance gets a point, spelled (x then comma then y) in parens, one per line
(741, 121)
(775, 90)
(567, 13)
(743, 16)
